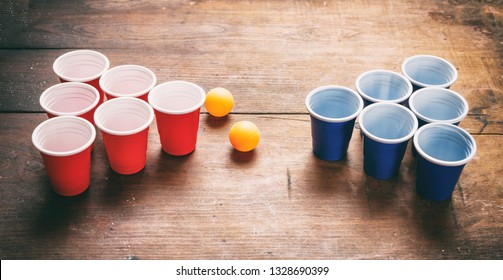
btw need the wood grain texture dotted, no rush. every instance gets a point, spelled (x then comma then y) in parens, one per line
(273, 48)
(278, 202)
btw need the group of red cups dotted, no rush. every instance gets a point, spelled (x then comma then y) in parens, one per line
(121, 102)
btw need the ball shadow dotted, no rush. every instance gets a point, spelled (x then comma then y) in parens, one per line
(216, 122)
(243, 158)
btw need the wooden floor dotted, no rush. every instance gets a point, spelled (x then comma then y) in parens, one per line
(279, 201)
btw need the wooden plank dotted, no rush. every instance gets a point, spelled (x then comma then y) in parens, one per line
(270, 56)
(54, 24)
(14, 19)
(29, 72)
(278, 202)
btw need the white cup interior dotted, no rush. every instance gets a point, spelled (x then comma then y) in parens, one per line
(334, 103)
(438, 104)
(177, 97)
(128, 80)
(123, 116)
(382, 85)
(81, 65)
(445, 144)
(388, 122)
(63, 136)
(70, 98)
(428, 70)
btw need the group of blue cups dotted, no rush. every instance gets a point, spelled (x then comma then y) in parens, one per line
(391, 109)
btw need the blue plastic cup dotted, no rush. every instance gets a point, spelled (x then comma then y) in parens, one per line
(438, 105)
(333, 111)
(383, 85)
(429, 71)
(387, 128)
(443, 151)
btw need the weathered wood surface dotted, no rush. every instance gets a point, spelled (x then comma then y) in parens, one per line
(278, 202)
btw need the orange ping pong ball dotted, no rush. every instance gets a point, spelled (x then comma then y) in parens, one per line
(244, 136)
(219, 102)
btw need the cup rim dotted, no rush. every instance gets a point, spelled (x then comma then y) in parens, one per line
(328, 119)
(127, 66)
(439, 161)
(423, 85)
(85, 79)
(375, 100)
(157, 89)
(100, 108)
(430, 120)
(46, 92)
(43, 150)
(387, 140)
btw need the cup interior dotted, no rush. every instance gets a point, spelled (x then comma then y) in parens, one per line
(128, 80)
(334, 104)
(445, 144)
(427, 70)
(62, 136)
(388, 122)
(177, 97)
(81, 65)
(69, 98)
(438, 104)
(381, 85)
(123, 116)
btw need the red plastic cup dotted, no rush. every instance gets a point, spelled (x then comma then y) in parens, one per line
(128, 81)
(83, 66)
(70, 99)
(124, 124)
(65, 145)
(177, 105)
